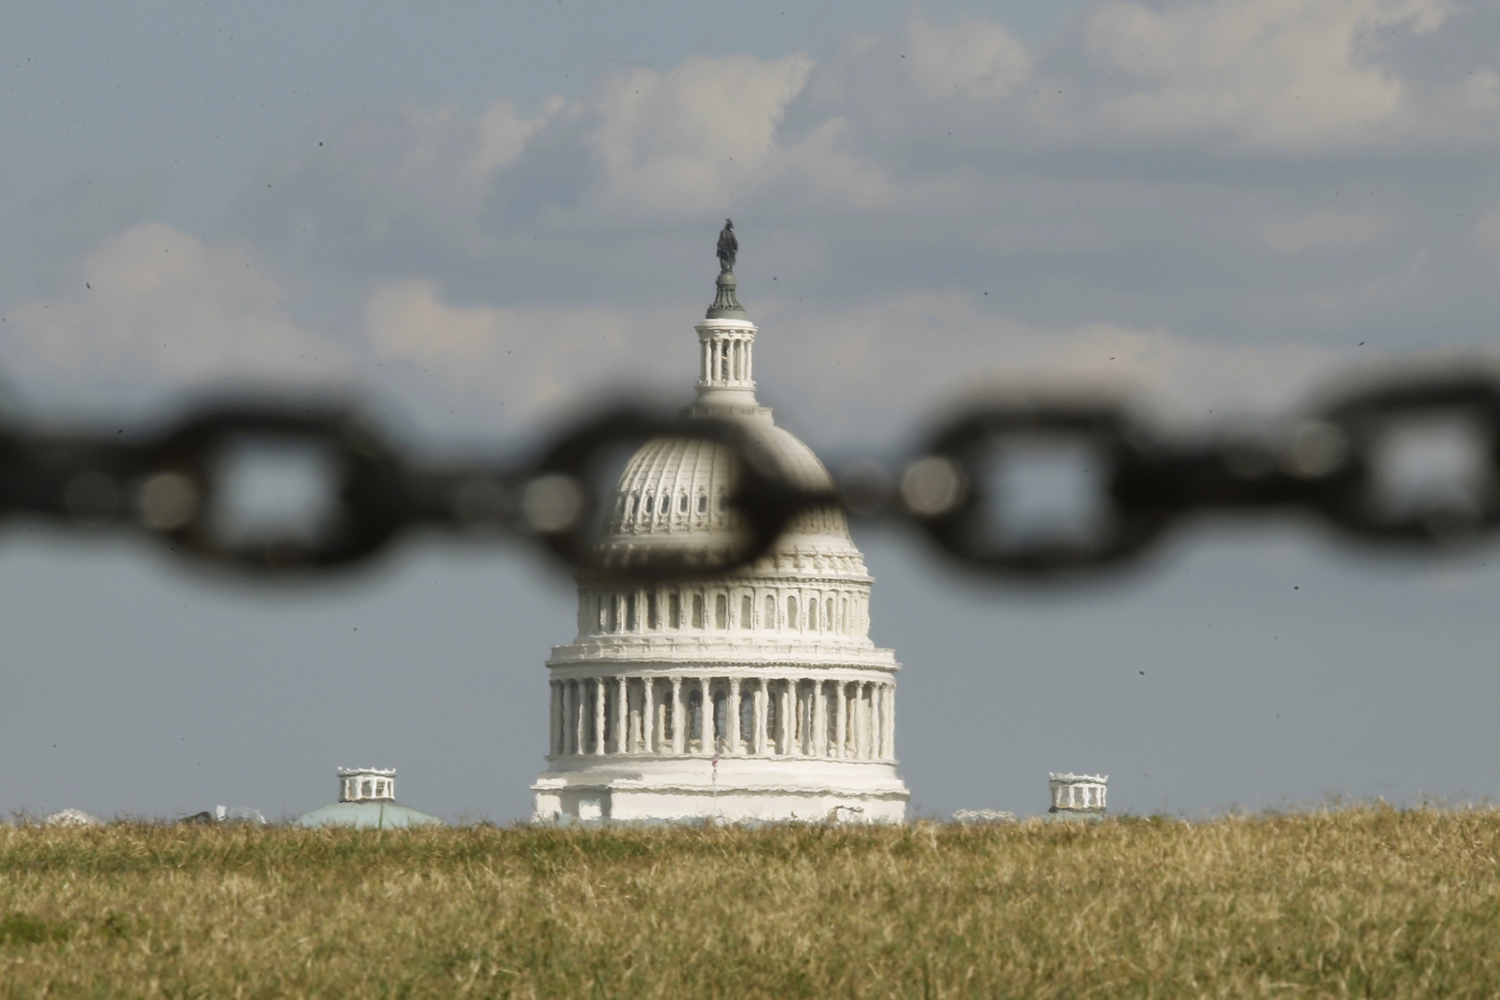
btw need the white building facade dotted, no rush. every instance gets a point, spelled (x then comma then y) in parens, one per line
(755, 697)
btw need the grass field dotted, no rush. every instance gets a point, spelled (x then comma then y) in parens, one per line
(1359, 901)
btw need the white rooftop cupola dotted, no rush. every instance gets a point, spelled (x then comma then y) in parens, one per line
(1078, 794)
(367, 784)
(726, 339)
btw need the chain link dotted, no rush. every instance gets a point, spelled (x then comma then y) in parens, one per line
(1333, 462)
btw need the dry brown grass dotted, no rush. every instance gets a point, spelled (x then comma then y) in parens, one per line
(1364, 901)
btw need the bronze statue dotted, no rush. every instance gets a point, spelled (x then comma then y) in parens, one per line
(728, 246)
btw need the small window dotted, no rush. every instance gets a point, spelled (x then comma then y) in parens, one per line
(828, 614)
(652, 621)
(770, 616)
(697, 611)
(364, 789)
(702, 504)
(674, 611)
(791, 612)
(723, 503)
(812, 614)
(682, 503)
(746, 612)
(649, 502)
(721, 610)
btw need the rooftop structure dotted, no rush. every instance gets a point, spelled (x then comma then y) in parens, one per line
(758, 696)
(1078, 794)
(367, 798)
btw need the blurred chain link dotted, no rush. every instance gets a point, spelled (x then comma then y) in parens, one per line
(1334, 462)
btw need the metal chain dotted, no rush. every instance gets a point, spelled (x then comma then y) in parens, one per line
(1332, 462)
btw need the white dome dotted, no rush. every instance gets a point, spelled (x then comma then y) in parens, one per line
(675, 491)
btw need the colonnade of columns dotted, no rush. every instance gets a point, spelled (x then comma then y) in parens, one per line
(723, 716)
(1078, 794)
(726, 360)
(841, 612)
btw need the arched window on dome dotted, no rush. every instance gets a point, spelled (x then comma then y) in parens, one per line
(650, 504)
(703, 503)
(721, 611)
(769, 621)
(828, 614)
(697, 611)
(812, 615)
(674, 610)
(632, 620)
(747, 612)
(682, 503)
(791, 612)
(653, 619)
(614, 613)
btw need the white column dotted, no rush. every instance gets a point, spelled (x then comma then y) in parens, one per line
(866, 696)
(789, 698)
(762, 699)
(705, 716)
(717, 366)
(768, 734)
(648, 715)
(888, 731)
(575, 719)
(734, 716)
(820, 720)
(877, 721)
(554, 738)
(885, 720)
(599, 717)
(679, 717)
(621, 700)
(840, 718)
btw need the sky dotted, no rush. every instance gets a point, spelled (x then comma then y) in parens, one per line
(481, 216)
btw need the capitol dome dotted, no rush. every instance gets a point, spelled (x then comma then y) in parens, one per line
(755, 696)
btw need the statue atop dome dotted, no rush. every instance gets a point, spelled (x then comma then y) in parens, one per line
(726, 303)
(729, 246)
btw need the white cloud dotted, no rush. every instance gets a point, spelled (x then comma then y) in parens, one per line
(155, 305)
(976, 60)
(704, 137)
(531, 359)
(876, 368)
(1325, 228)
(1263, 74)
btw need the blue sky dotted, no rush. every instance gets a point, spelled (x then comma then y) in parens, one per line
(483, 214)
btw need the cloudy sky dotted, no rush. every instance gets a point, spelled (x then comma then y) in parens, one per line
(482, 214)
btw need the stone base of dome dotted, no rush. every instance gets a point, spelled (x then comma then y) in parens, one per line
(685, 790)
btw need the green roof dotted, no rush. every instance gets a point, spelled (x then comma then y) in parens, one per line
(368, 815)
